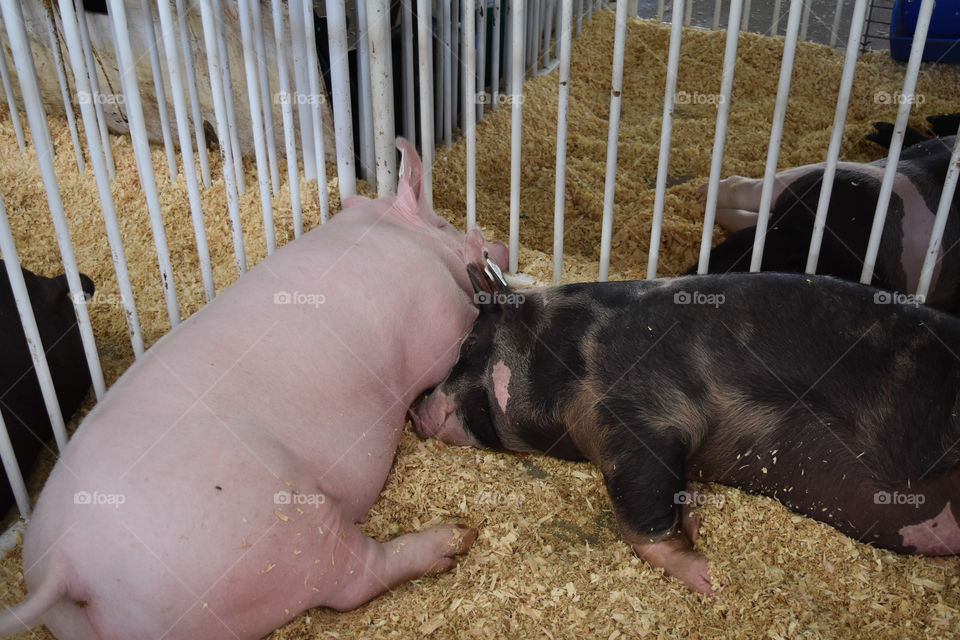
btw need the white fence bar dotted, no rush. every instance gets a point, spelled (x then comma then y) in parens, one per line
(470, 106)
(516, 8)
(159, 89)
(495, 57)
(776, 134)
(49, 19)
(183, 132)
(775, 23)
(940, 223)
(12, 470)
(231, 111)
(409, 105)
(438, 82)
(298, 49)
(30, 330)
(27, 75)
(720, 133)
(579, 12)
(446, 84)
(837, 16)
(313, 74)
(688, 14)
(659, 9)
(256, 117)
(456, 50)
(806, 20)
(266, 103)
(716, 14)
(141, 148)
(101, 173)
(425, 61)
(563, 103)
(610, 182)
(381, 84)
(666, 132)
(836, 135)
(368, 153)
(745, 18)
(217, 70)
(11, 97)
(286, 111)
(896, 142)
(481, 59)
(194, 96)
(340, 88)
(95, 90)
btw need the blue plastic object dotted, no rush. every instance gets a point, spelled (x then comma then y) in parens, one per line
(943, 38)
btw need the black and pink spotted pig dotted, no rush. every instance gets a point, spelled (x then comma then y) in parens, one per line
(921, 171)
(810, 389)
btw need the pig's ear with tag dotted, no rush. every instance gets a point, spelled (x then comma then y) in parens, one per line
(490, 288)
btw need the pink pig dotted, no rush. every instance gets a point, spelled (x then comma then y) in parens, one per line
(214, 490)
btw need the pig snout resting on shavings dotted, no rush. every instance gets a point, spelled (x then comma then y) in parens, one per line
(213, 493)
(822, 393)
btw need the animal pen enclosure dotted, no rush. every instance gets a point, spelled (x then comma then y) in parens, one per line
(586, 176)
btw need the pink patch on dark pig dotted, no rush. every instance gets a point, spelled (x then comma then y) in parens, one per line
(936, 536)
(501, 381)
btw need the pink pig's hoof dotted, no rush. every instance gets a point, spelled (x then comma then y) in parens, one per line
(448, 542)
(694, 571)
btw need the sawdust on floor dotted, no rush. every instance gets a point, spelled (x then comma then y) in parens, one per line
(548, 561)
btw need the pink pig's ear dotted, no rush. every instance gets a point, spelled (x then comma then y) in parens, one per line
(473, 249)
(409, 187)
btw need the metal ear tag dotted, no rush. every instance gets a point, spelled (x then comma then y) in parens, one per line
(493, 270)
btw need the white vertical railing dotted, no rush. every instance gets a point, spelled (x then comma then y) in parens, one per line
(11, 98)
(313, 75)
(666, 131)
(101, 173)
(194, 95)
(266, 104)
(613, 132)
(720, 133)
(286, 112)
(159, 88)
(896, 142)
(470, 107)
(776, 133)
(425, 62)
(50, 23)
(516, 121)
(563, 103)
(256, 120)
(183, 132)
(836, 134)
(940, 222)
(381, 85)
(342, 111)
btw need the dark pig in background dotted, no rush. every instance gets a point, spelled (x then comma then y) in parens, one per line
(21, 401)
(921, 171)
(813, 390)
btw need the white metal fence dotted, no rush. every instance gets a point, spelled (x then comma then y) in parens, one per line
(440, 52)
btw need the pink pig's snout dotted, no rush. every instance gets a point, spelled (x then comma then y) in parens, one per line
(436, 417)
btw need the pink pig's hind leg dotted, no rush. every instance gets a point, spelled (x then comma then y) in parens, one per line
(371, 568)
